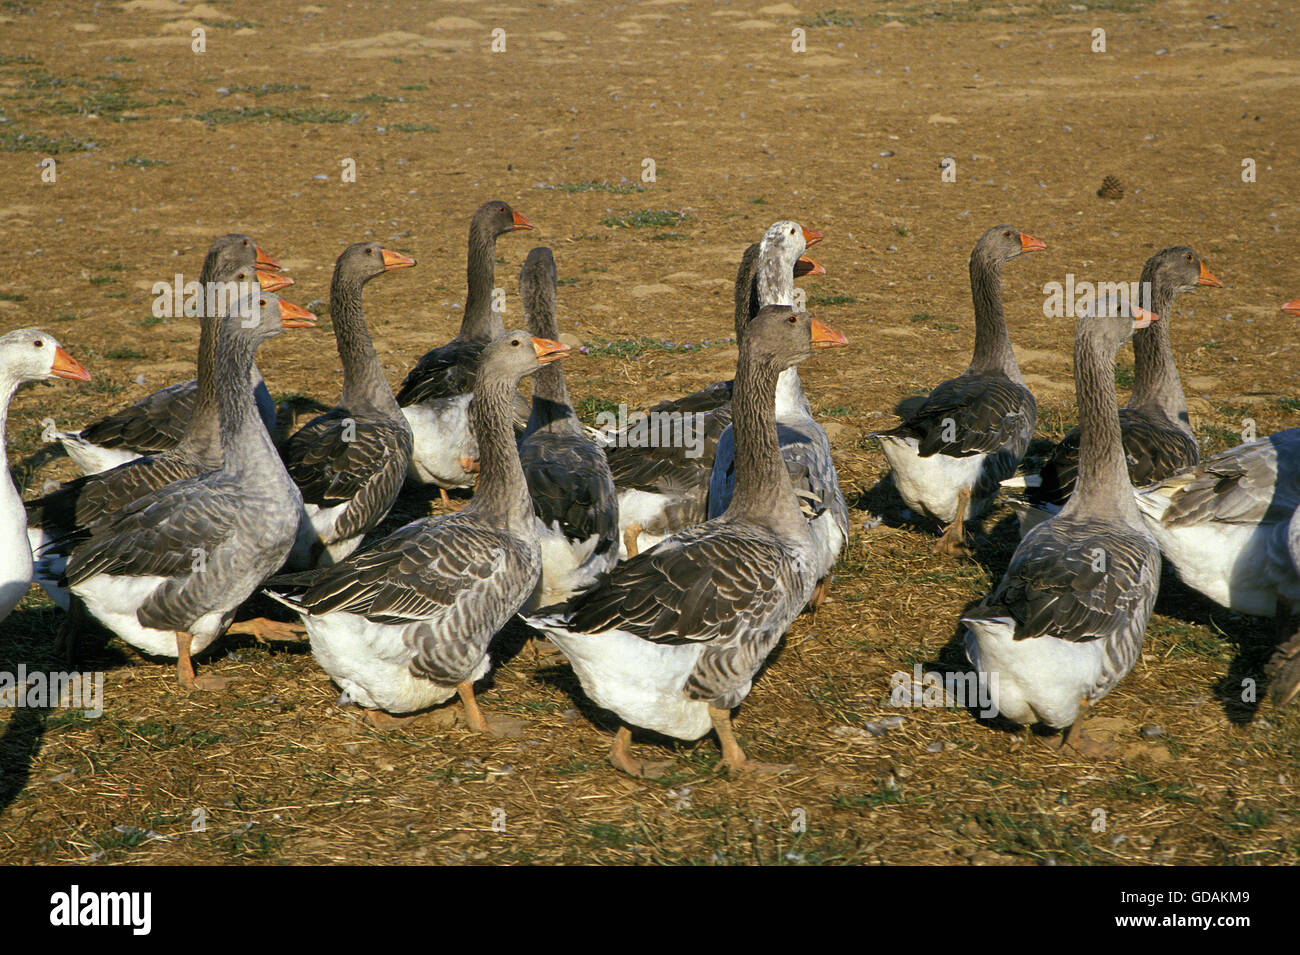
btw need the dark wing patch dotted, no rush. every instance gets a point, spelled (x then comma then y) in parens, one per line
(706, 586)
(154, 423)
(973, 414)
(445, 372)
(714, 396)
(570, 483)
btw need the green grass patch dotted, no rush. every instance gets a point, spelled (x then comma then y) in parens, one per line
(414, 127)
(297, 115)
(140, 162)
(634, 348)
(819, 295)
(1124, 376)
(590, 185)
(645, 219)
(14, 140)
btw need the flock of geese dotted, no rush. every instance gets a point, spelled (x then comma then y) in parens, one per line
(665, 576)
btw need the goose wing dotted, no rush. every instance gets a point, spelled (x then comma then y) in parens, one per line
(972, 414)
(444, 372)
(1252, 483)
(153, 423)
(570, 483)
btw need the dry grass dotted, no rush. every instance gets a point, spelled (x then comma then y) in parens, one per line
(282, 774)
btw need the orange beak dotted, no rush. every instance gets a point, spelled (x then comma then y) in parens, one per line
(520, 221)
(806, 266)
(1292, 308)
(549, 351)
(265, 263)
(272, 281)
(1207, 278)
(65, 366)
(1029, 244)
(1142, 318)
(826, 337)
(295, 316)
(395, 260)
(810, 237)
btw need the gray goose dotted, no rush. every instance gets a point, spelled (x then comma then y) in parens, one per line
(664, 489)
(568, 476)
(1158, 437)
(349, 463)
(157, 422)
(67, 512)
(436, 392)
(25, 355)
(405, 624)
(1066, 622)
(673, 639)
(954, 446)
(167, 572)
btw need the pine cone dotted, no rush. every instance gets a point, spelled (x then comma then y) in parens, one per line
(1111, 189)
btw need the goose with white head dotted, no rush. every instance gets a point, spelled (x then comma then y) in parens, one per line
(167, 572)
(158, 422)
(673, 639)
(350, 462)
(404, 624)
(1066, 622)
(956, 444)
(436, 393)
(26, 355)
(663, 489)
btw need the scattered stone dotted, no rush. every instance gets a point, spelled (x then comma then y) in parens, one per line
(935, 747)
(1152, 730)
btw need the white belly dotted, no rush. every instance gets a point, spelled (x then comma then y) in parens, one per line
(828, 542)
(1039, 679)
(640, 681)
(930, 485)
(372, 663)
(114, 600)
(1226, 562)
(441, 435)
(568, 567)
(646, 509)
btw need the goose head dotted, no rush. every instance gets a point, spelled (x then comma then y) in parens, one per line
(496, 218)
(517, 353)
(30, 354)
(259, 316)
(782, 337)
(1178, 269)
(1003, 243)
(361, 262)
(1292, 307)
(236, 250)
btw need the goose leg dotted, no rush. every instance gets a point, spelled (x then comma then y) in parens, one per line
(185, 667)
(953, 541)
(266, 630)
(479, 723)
(384, 721)
(630, 536)
(442, 493)
(620, 755)
(820, 594)
(65, 642)
(1283, 669)
(732, 755)
(1077, 737)
(468, 464)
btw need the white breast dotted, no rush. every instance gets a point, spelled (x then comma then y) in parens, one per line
(441, 433)
(930, 485)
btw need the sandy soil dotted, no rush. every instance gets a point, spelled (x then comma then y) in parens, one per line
(846, 137)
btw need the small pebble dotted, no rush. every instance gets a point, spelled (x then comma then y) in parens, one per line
(1152, 730)
(935, 747)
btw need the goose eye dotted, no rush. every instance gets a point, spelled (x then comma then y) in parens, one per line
(245, 243)
(792, 320)
(1189, 256)
(39, 343)
(514, 343)
(370, 251)
(261, 303)
(1007, 234)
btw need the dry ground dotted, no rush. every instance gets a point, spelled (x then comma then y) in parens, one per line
(160, 149)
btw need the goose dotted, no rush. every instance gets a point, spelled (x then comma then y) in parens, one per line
(435, 394)
(1227, 527)
(405, 624)
(349, 463)
(65, 514)
(568, 477)
(664, 488)
(27, 354)
(1066, 622)
(955, 445)
(1158, 437)
(807, 453)
(673, 638)
(157, 422)
(167, 572)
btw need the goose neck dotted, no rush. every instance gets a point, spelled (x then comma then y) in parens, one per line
(501, 493)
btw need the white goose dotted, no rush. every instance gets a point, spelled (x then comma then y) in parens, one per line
(673, 639)
(25, 355)
(1067, 620)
